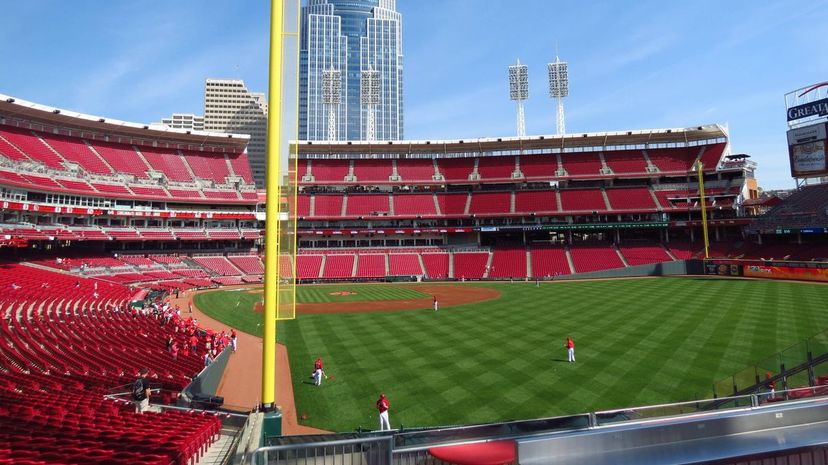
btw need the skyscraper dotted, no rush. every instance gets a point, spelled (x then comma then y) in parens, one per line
(350, 36)
(230, 107)
(183, 121)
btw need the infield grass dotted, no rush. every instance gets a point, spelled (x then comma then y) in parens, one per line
(638, 342)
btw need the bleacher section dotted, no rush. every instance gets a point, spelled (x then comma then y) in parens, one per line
(338, 267)
(644, 254)
(508, 263)
(102, 165)
(436, 265)
(549, 262)
(405, 264)
(370, 266)
(588, 258)
(470, 265)
(63, 347)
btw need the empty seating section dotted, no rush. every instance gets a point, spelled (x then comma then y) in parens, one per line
(122, 158)
(672, 199)
(211, 166)
(221, 195)
(249, 264)
(582, 200)
(626, 161)
(327, 205)
(218, 265)
(539, 166)
(285, 266)
(644, 254)
(632, 198)
(414, 205)
(491, 202)
(303, 202)
(496, 167)
(455, 169)
(149, 191)
(673, 160)
(113, 189)
(436, 265)
(682, 250)
(581, 164)
(368, 205)
(369, 266)
(470, 265)
(11, 176)
(407, 264)
(10, 151)
(711, 156)
(338, 266)
(184, 193)
(329, 170)
(508, 263)
(452, 204)
(535, 201)
(588, 258)
(415, 169)
(167, 161)
(29, 144)
(549, 262)
(372, 170)
(76, 150)
(42, 181)
(224, 234)
(307, 266)
(240, 166)
(75, 185)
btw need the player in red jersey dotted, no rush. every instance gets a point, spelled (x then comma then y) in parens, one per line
(382, 407)
(570, 349)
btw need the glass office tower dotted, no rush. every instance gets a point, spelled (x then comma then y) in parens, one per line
(350, 36)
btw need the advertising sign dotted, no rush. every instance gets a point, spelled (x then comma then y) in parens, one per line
(786, 272)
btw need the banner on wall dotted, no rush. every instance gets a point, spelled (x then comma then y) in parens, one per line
(723, 269)
(786, 272)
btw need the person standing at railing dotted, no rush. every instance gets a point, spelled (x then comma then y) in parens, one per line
(382, 407)
(771, 385)
(141, 392)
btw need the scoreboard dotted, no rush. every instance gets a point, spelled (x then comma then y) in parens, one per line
(807, 117)
(806, 148)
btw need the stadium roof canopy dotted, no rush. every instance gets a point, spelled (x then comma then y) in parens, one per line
(645, 137)
(12, 106)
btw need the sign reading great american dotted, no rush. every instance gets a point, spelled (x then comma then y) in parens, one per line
(815, 108)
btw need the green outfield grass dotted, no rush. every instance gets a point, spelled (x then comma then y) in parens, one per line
(232, 306)
(637, 342)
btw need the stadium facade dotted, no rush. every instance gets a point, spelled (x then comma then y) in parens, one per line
(350, 36)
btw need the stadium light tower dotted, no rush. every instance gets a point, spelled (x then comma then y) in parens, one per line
(558, 89)
(332, 97)
(369, 95)
(519, 91)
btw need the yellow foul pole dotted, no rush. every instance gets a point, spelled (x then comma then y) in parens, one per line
(699, 167)
(271, 278)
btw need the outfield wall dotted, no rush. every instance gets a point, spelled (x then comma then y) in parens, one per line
(766, 269)
(684, 267)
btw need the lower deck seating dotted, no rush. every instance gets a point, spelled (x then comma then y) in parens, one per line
(588, 258)
(404, 264)
(644, 254)
(338, 266)
(508, 263)
(548, 262)
(436, 265)
(470, 265)
(370, 266)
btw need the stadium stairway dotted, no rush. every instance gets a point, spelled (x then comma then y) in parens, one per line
(620, 255)
(569, 261)
(488, 265)
(668, 251)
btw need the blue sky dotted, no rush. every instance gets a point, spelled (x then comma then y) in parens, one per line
(633, 64)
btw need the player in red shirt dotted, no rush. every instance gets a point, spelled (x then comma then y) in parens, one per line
(570, 349)
(382, 407)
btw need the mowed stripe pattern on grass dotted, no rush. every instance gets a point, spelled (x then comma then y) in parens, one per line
(637, 342)
(234, 307)
(358, 293)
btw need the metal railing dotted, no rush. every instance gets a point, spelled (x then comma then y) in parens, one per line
(362, 451)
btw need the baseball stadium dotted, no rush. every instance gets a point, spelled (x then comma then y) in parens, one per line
(606, 297)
